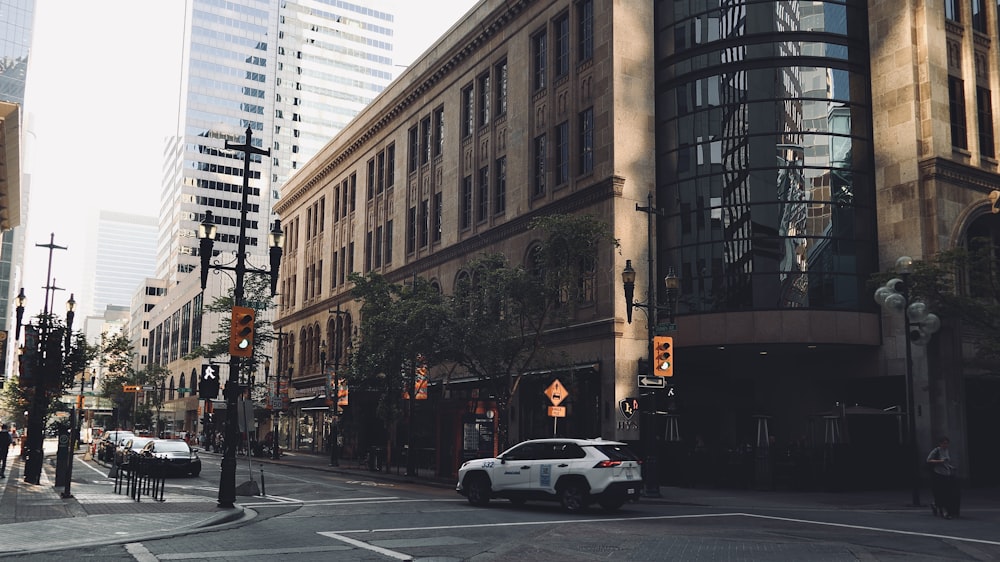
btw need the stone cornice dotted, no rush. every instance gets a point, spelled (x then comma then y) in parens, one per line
(942, 169)
(407, 92)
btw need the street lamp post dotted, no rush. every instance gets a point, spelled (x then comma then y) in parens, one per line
(919, 325)
(232, 391)
(651, 483)
(45, 353)
(337, 340)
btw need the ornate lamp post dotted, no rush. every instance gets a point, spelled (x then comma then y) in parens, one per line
(919, 325)
(206, 231)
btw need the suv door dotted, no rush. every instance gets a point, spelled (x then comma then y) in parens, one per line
(514, 472)
(558, 458)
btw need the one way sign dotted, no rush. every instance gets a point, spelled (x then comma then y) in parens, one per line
(208, 385)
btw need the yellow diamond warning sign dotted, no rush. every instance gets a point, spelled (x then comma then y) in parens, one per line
(556, 392)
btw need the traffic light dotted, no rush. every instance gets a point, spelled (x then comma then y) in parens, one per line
(241, 332)
(994, 197)
(663, 356)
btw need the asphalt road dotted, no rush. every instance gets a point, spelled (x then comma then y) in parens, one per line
(310, 515)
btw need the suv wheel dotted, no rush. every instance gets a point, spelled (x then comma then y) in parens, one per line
(477, 489)
(573, 497)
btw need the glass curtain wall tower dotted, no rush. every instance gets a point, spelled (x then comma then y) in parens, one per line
(295, 73)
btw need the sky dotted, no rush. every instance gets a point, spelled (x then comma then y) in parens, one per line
(102, 81)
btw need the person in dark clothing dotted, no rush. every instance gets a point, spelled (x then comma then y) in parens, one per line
(5, 442)
(944, 483)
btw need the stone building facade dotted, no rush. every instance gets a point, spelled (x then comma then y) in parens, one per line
(792, 150)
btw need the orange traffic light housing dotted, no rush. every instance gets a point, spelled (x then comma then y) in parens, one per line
(663, 356)
(241, 332)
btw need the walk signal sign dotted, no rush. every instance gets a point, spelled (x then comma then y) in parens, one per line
(663, 356)
(241, 332)
(208, 384)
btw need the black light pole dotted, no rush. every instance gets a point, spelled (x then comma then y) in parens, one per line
(647, 434)
(73, 424)
(45, 360)
(232, 391)
(337, 341)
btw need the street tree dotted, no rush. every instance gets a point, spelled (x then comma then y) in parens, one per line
(501, 311)
(399, 322)
(257, 295)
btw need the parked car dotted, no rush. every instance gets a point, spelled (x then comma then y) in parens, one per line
(109, 444)
(130, 446)
(180, 457)
(574, 472)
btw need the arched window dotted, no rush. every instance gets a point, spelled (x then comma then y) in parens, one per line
(183, 379)
(194, 381)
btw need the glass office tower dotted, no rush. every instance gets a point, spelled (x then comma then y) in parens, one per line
(764, 153)
(293, 72)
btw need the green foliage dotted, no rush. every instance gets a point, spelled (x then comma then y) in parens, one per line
(257, 295)
(962, 284)
(493, 326)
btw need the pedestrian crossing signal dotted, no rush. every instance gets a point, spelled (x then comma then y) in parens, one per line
(663, 360)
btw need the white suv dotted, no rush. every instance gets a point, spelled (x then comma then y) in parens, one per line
(576, 472)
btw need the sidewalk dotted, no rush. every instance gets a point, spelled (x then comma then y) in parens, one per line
(37, 519)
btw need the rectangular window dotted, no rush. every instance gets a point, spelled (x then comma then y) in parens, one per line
(500, 189)
(424, 223)
(388, 242)
(333, 271)
(539, 53)
(484, 100)
(380, 172)
(413, 149)
(585, 13)
(468, 111)
(390, 166)
(539, 155)
(336, 204)
(425, 140)
(562, 153)
(343, 264)
(562, 45)
(411, 230)
(371, 179)
(956, 107)
(368, 251)
(377, 243)
(984, 113)
(350, 258)
(438, 131)
(978, 16)
(587, 141)
(354, 192)
(951, 10)
(343, 209)
(483, 196)
(465, 216)
(438, 215)
(501, 72)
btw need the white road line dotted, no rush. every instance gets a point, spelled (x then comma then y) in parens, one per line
(875, 529)
(666, 517)
(140, 552)
(366, 546)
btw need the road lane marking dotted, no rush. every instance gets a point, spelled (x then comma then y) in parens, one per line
(667, 517)
(140, 552)
(367, 546)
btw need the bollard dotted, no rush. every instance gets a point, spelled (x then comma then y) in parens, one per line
(263, 490)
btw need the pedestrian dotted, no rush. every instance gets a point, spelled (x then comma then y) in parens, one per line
(5, 442)
(944, 482)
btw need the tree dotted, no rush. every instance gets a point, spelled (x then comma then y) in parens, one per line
(501, 311)
(257, 295)
(964, 284)
(16, 399)
(397, 323)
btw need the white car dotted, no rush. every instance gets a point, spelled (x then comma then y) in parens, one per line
(575, 472)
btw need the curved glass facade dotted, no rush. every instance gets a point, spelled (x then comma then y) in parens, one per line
(764, 154)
